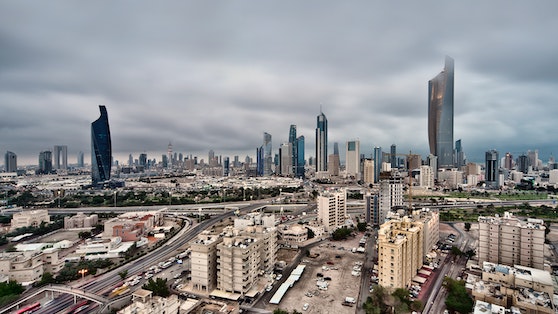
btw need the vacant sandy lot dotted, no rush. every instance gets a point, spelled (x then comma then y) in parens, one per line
(338, 269)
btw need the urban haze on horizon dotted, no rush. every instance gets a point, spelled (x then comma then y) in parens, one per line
(178, 72)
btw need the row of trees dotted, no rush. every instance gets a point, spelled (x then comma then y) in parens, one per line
(10, 291)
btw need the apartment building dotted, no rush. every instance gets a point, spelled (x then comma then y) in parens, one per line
(238, 263)
(431, 227)
(80, 220)
(332, 209)
(400, 252)
(203, 261)
(29, 266)
(510, 241)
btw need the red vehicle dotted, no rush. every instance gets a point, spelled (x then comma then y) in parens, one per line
(29, 309)
(78, 307)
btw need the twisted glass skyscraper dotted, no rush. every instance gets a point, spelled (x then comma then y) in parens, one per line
(440, 115)
(101, 148)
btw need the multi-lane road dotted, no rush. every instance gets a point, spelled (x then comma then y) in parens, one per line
(104, 283)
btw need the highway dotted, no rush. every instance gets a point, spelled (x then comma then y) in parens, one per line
(104, 283)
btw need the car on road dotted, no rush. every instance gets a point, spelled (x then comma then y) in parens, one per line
(305, 306)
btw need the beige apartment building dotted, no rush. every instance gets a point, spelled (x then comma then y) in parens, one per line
(203, 261)
(29, 218)
(143, 302)
(238, 263)
(400, 252)
(80, 220)
(332, 209)
(431, 227)
(510, 241)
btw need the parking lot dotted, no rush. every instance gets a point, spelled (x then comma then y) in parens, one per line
(330, 276)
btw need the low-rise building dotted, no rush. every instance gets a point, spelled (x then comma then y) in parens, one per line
(28, 266)
(81, 221)
(526, 289)
(29, 218)
(143, 302)
(293, 234)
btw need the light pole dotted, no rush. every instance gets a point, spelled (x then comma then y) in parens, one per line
(82, 272)
(115, 192)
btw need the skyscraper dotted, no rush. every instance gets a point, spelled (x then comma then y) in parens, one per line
(440, 115)
(61, 157)
(459, 154)
(292, 141)
(45, 162)
(352, 157)
(267, 159)
(321, 143)
(10, 162)
(101, 148)
(300, 157)
(491, 174)
(393, 156)
(377, 163)
(80, 159)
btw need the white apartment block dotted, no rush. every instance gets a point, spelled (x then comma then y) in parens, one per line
(553, 176)
(293, 234)
(510, 241)
(400, 252)
(28, 267)
(390, 195)
(29, 218)
(426, 177)
(352, 160)
(332, 209)
(203, 261)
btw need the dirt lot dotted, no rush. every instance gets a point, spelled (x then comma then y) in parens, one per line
(338, 269)
(60, 235)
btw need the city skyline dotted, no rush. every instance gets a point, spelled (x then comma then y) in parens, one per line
(196, 75)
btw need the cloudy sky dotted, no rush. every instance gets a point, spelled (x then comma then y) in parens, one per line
(217, 74)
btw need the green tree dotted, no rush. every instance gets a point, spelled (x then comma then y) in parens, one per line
(123, 274)
(467, 226)
(159, 287)
(341, 233)
(10, 287)
(361, 226)
(46, 278)
(458, 300)
(84, 235)
(280, 311)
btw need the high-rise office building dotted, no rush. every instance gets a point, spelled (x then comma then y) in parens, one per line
(368, 171)
(60, 157)
(267, 159)
(508, 161)
(45, 162)
(10, 162)
(523, 164)
(101, 148)
(336, 148)
(143, 160)
(377, 163)
(285, 159)
(432, 161)
(226, 167)
(292, 141)
(459, 154)
(321, 143)
(170, 155)
(440, 115)
(393, 156)
(300, 161)
(80, 159)
(352, 159)
(130, 160)
(492, 173)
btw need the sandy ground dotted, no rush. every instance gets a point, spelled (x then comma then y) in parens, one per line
(341, 285)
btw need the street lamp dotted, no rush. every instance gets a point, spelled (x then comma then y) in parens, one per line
(82, 272)
(115, 192)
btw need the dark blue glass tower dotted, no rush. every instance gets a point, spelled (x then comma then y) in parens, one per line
(300, 157)
(101, 148)
(440, 115)
(321, 143)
